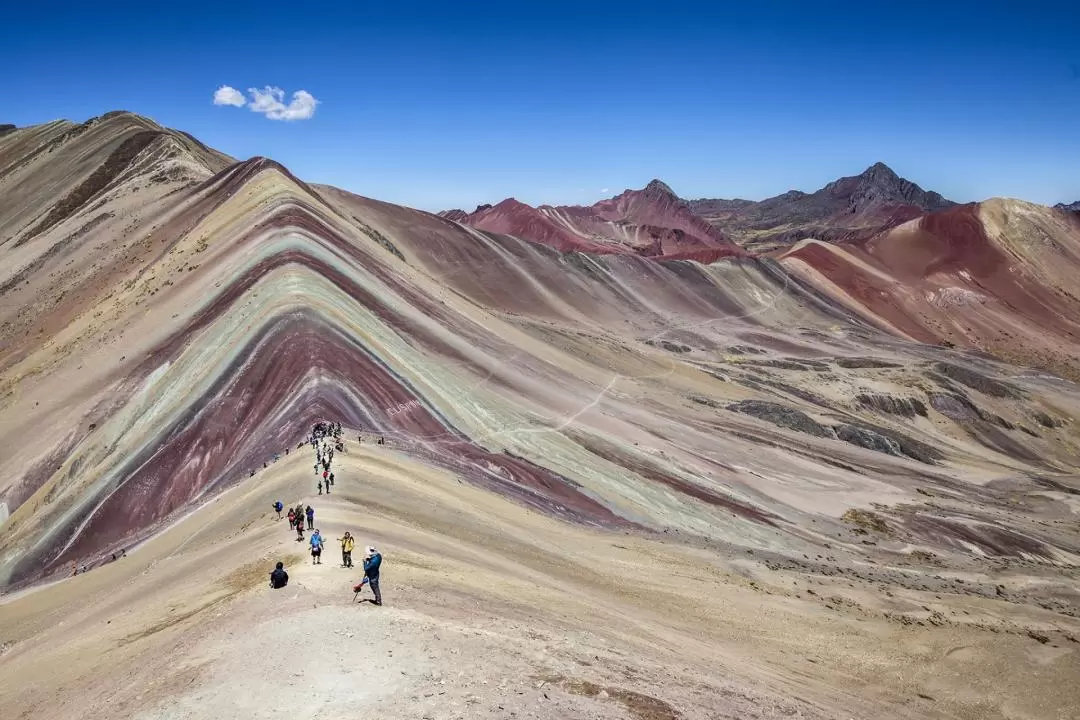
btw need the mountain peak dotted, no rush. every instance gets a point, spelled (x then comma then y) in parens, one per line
(879, 171)
(659, 188)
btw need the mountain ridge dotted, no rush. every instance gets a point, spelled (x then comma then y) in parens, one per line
(651, 222)
(849, 209)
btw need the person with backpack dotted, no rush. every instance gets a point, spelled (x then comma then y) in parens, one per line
(316, 548)
(372, 562)
(278, 507)
(347, 544)
(331, 479)
(292, 518)
(310, 517)
(278, 577)
(299, 528)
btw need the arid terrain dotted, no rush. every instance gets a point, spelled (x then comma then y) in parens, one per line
(673, 471)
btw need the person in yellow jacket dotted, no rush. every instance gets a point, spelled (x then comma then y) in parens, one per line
(347, 544)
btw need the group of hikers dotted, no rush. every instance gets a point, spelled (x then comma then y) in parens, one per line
(297, 515)
(372, 563)
(320, 439)
(325, 439)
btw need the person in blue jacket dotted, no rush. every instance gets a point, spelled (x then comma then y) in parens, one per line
(279, 507)
(372, 561)
(316, 548)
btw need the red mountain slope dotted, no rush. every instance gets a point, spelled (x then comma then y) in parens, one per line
(652, 222)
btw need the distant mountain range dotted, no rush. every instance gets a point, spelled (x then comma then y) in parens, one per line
(1071, 207)
(656, 222)
(849, 209)
(652, 222)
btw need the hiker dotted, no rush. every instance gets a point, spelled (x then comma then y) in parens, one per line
(299, 529)
(320, 487)
(372, 561)
(278, 577)
(331, 478)
(347, 544)
(292, 518)
(316, 548)
(310, 512)
(278, 507)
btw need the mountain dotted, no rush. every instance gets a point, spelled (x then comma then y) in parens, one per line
(1071, 207)
(843, 474)
(651, 222)
(849, 209)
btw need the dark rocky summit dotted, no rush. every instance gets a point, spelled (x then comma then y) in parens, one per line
(849, 209)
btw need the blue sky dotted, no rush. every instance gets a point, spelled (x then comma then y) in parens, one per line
(440, 105)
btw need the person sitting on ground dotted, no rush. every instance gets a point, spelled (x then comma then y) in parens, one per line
(347, 544)
(316, 548)
(278, 577)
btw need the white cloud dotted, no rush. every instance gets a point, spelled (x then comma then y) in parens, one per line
(226, 95)
(604, 190)
(270, 101)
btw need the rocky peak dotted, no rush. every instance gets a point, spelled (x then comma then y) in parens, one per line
(660, 189)
(880, 174)
(1071, 207)
(879, 185)
(457, 215)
